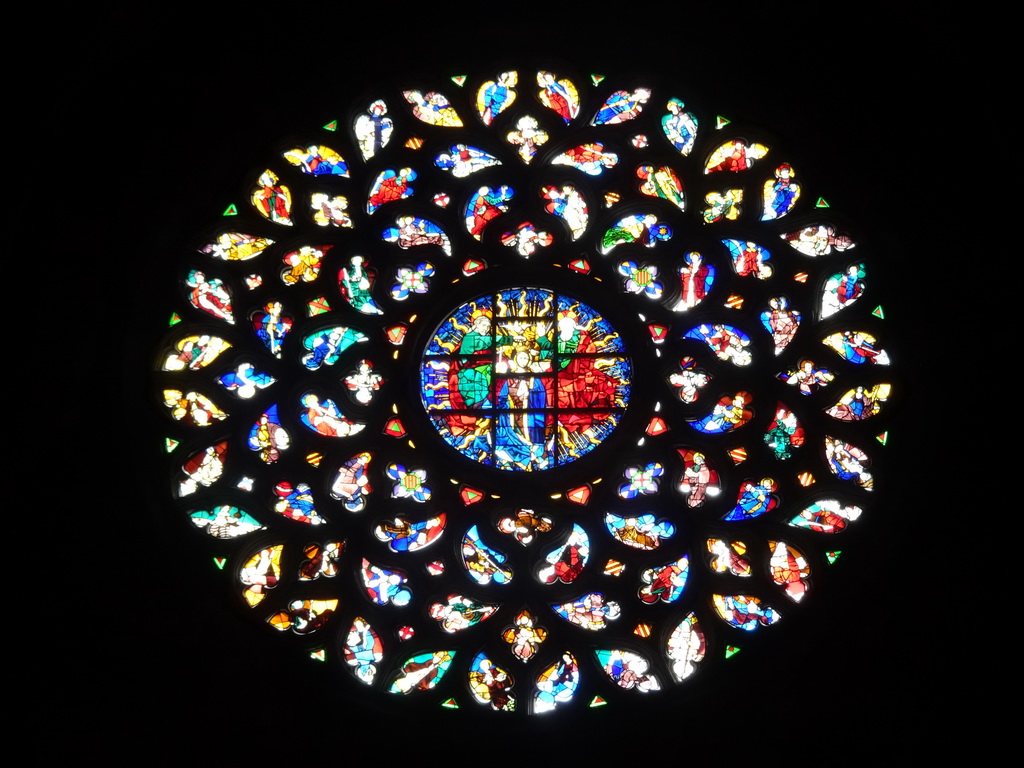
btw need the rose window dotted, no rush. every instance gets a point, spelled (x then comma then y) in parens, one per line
(525, 392)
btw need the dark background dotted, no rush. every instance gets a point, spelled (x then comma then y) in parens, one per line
(165, 115)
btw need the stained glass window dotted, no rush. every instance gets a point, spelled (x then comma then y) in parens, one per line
(525, 391)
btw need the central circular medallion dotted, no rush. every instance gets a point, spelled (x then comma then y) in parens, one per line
(525, 379)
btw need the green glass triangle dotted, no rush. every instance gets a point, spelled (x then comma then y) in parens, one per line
(882, 438)
(170, 444)
(721, 122)
(877, 312)
(450, 704)
(231, 210)
(473, 264)
(821, 203)
(318, 655)
(596, 79)
(833, 556)
(459, 80)
(731, 650)
(175, 319)
(597, 701)
(220, 562)
(331, 126)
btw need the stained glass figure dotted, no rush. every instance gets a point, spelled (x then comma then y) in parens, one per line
(807, 378)
(641, 532)
(663, 182)
(321, 560)
(236, 246)
(271, 325)
(754, 499)
(848, 462)
(304, 617)
(696, 278)
(433, 108)
(591, 158)
(559, 95)
(568, 204)
(422, 672)
(628, 670)
(259, 573)
(272, 200)
(317, 160)
(524, 636)
(699, 480)
(413, 231)
(460, 612)
(351, 484)
(728, 342)
(296, 503)
(826, 516)
(557, 684)
(780, 195)
(622, 106)
(641, 229)
(325, 418)
(485, 204)
(267, 437)
(817, 240)
(225, 521)
(491, 684)
(679, 126)
(401, 535)
(363, 650)
(385, 585)
(330, 210)
(527, 239)
(209, 295)
(525, 526)
(723, 206)
(527, 137)
(461, 160)
(664, 582)
(857, 347)
(363, 382)
(735, 156)
(731, 412)
(202, 468)
(781, 322)
(484, 564)
(842, 289)
(749, 259)
(192, 408)
(194, 352)
(744, 612)
(591, 611)
(566, 562)
(729, 557)
(789, 569)
(784, 433)
(686, 647)
(860, 403)
(548, 374)
(327, 345)
(355, 280)
(373, 129)
(690, 380)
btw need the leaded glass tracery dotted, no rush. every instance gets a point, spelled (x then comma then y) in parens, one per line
(610, 194)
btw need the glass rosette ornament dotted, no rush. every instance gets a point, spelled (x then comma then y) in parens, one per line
(527, 391)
